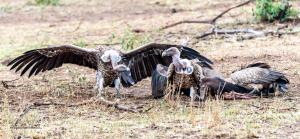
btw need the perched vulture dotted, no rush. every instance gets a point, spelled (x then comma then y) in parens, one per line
(113, 67)
(180, 74)
(261, 78)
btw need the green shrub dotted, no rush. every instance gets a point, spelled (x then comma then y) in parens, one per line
(270, 10)
(81, 43)
(47, 2)
(130, 40)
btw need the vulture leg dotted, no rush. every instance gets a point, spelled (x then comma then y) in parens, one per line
(192, 94)
(202, 92)
(117, 87)
(100, 83)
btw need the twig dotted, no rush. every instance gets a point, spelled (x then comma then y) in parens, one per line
(24, 112)
(116, 105)
(5, 85)
(232, 31)
(10, 80)
(250, 33)
(100, 100)
(226, 11)
(78, 26)
(186, 22)
(212, 21)
(255, 106)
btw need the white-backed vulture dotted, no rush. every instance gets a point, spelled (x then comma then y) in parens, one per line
(113, 67)
(261, 77)
(180, 74)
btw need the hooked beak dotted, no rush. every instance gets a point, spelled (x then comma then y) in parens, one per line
(164, 54)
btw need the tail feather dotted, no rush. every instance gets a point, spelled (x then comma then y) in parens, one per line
(282, 84)
(283, 88)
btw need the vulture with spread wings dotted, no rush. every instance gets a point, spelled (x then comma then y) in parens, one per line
(113, 67)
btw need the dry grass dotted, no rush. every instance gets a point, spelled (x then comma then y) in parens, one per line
(25, 26)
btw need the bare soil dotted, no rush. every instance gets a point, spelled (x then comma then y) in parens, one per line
(24, 26)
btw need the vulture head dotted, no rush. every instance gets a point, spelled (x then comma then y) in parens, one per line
(173, 51)
(114, 57)
(111, 56)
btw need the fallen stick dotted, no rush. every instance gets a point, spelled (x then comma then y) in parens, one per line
(116, 105)
(186, 22)
(100, 100)
(226, 31)
(250, 33)
(24, 112)
(5, 85)
(212, 21)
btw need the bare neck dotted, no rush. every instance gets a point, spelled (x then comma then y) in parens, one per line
(176, 60)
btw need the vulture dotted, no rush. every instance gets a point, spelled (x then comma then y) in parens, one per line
(205, 82)
(197, 79)
(254, 79)
(113, 67)
(261, 78)
(181, 74)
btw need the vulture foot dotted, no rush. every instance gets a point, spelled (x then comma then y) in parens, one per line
(117, 87)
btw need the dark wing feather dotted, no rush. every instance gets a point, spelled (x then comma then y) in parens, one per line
(258, 64)
(142, 61)
(219, 86)
(44, 59)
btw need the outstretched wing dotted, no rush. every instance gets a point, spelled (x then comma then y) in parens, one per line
(40, 60)
(255, 75)
(143, 61)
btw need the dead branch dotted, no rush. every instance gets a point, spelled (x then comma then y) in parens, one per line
(92, 100)
(186, 22)
(78, 26)
(212, 21)
(5, 85)
(227, 31)
(116, 105)
(24, 112)
(249, 33)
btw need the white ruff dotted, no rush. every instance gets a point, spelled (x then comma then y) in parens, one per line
(188, 67)
(111, 55)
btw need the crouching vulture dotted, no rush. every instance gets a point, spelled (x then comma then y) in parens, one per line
(181, 74)
(261, 78)
(112, 67)
(191, 77)
(197, 79)
(254, 79)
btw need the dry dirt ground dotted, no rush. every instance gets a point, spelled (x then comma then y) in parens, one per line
(24, 26)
